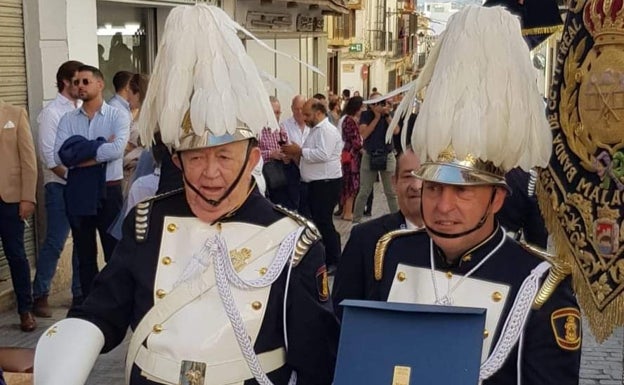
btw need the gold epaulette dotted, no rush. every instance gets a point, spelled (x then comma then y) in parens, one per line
(382, 246)
(142, 213)
(557, 273)
(308, 237)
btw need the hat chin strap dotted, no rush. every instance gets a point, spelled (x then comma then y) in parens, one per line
(463, 233)
(227, 193)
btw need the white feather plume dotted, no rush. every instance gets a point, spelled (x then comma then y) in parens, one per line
(482, 96)
(271, 83)
(202, 64)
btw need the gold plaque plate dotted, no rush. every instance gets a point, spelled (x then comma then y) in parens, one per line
(401, 375)
(192, 373)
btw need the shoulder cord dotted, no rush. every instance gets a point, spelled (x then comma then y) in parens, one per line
(514, 324)
(519, 360)
(226, 274)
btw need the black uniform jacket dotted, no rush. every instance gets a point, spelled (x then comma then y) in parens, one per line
(546, 357)
(354, 278)
(123, 292)
(520, 212)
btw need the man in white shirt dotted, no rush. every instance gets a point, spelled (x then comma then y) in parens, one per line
(296, 126)
(321, 172)
(54, 174)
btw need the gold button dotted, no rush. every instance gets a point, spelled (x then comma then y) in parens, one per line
(449, 275)
(467, 258)
(497, 296)
(263, 271)
(157, 328)
(486, 334)
(171, 227)
(166, 261)
(160, 293)
(401, 276)
(256, 305)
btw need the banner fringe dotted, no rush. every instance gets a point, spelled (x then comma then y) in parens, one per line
(601, 322)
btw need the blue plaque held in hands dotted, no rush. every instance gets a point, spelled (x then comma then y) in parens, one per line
(386, 343)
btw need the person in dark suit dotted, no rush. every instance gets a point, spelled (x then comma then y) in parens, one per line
(354, 277)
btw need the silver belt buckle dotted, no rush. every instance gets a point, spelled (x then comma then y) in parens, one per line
(192, 373)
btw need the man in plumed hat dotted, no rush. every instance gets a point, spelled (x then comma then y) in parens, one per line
(218, 285)
(474, 124)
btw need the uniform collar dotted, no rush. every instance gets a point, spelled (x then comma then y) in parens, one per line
(473, 255)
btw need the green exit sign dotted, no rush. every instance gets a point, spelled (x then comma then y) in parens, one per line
(355, 47)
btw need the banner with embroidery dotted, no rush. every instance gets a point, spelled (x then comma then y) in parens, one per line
(582, 190)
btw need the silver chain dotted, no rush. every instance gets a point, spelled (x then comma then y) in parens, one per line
(447, 299)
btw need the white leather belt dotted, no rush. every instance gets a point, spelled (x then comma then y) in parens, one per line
(159, 368)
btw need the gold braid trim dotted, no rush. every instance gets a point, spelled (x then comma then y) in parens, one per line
(308, 237)
(558, 272)
(542, 30)
(602, 323)
(382, 246)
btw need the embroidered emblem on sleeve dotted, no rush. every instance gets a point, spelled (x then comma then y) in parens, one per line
(566, 325)
(322, 283)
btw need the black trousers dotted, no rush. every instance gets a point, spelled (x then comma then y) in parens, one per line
(323, 195)
(84, 233)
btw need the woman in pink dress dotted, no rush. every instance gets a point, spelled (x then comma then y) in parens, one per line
(351, 155)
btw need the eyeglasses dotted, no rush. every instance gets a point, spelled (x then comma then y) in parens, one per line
(85, 82)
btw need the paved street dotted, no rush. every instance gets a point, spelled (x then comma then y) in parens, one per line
(601, 364)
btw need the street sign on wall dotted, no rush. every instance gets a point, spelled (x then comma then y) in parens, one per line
(357, 47)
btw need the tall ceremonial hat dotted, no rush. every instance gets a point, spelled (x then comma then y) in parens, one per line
(482, 114)
(582, 190)
(205, 90)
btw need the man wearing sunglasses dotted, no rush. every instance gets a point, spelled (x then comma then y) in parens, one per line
(92, 140)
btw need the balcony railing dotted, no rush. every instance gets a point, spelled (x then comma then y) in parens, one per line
(377, 40)
(403, 46)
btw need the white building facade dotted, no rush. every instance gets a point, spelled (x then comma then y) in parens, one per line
(124, 34)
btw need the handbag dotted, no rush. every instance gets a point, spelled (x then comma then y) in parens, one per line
(346, 157)
(274, 175)
(378, 160)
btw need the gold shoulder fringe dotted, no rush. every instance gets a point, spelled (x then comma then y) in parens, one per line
(382, 246)
(542, 30)
(601, 322)
(308, 237)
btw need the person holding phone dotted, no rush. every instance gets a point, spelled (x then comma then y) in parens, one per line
(270, 144)
(378, 157)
